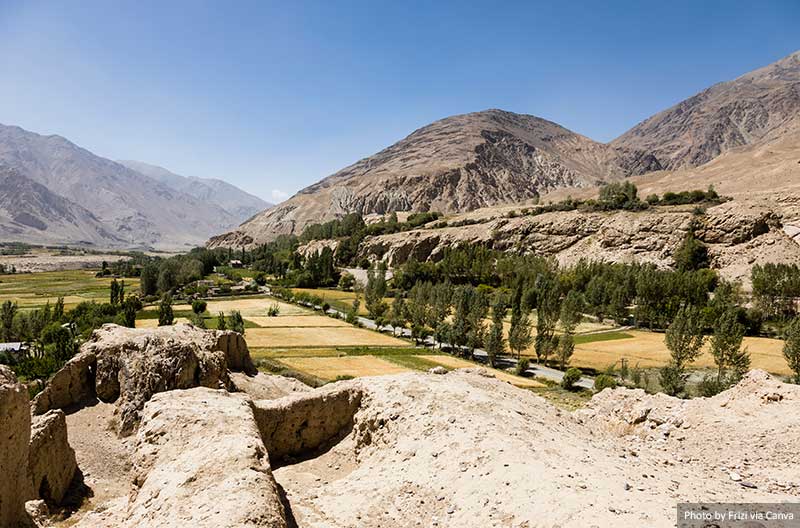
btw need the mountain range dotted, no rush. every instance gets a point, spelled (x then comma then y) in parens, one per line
(741, 136)
(55, 192)
(491, 158)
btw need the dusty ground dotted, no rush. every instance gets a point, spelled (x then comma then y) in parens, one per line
(463, 450)
(102, 456)
(457, 363)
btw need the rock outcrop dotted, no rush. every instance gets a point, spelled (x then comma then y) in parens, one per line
(128, 365)
(51, 461)
(199, 462)
(71, 385)
(304, 422)
(15, 430)
(738, 234)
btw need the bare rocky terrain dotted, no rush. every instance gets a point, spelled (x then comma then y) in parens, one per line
(456, 164)
(738, 235)
(414, 449)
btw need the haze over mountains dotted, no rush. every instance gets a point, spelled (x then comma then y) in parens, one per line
(54, 192)
(489, 158)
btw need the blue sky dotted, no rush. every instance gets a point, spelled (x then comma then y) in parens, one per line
(274, 96)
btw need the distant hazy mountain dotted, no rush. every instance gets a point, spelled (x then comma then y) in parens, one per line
(456, 164)
(237, 202)
(135, 210)
(758, 107)
(29, 212)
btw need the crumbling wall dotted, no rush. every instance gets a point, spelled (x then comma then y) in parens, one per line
(51, 461)
(302, 423)
(15, 429)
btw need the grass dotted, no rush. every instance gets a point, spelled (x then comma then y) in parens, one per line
(34, 290)
(414, 362)
(604, 336)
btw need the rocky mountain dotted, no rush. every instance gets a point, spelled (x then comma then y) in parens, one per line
(456, 164)
(134, 209)
(756, 108)
(30, 212)
(240, 204)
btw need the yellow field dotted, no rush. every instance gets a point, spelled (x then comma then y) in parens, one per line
(248, 306)
(455, 363)
(298, 321)
(320, 336)
(647, 349)
(328, 368)
(153, 323)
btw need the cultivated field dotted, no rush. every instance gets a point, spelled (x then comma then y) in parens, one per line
(33, 290)
(329, 368)
(318, 336)
(647, 349)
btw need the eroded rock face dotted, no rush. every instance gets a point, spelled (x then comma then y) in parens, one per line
(71, 385)
(51, 463)
(128, 365)
(199, 461)
(304, 422)
(15, 428)
(738, 234)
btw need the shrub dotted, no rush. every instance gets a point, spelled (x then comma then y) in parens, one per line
(604, 381)
(571, 377)
(273, 310)
(522, 365)
(199, 306)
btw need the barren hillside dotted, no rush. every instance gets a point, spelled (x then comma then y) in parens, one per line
(758, 107)
(457, 164)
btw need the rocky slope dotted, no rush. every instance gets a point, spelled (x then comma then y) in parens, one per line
(31, 213)
(738, 235)
(238, 203)
(456, 164)
(758, 107)
(135, 210)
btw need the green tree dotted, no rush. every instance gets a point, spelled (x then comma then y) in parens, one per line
(165, 314)
(565, 348)
(791, 347)
(237, 322)
(7, 312)
(199, 306)
(167, 280)
(691, 255)
(148, 279)
(684, 339)
(726, 348)
(495, 342)
(221, 324)
(519, 333)
(397, 317)
(548, 308)
(130, 306)
(375, 291)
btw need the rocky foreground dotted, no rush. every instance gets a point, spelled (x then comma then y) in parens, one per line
(190, 435)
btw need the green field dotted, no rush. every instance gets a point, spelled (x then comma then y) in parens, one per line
(33, 290)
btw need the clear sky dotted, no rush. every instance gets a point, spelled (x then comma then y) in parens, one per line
(273, 96)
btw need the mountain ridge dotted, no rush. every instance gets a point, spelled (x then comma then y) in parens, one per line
(455, 164)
